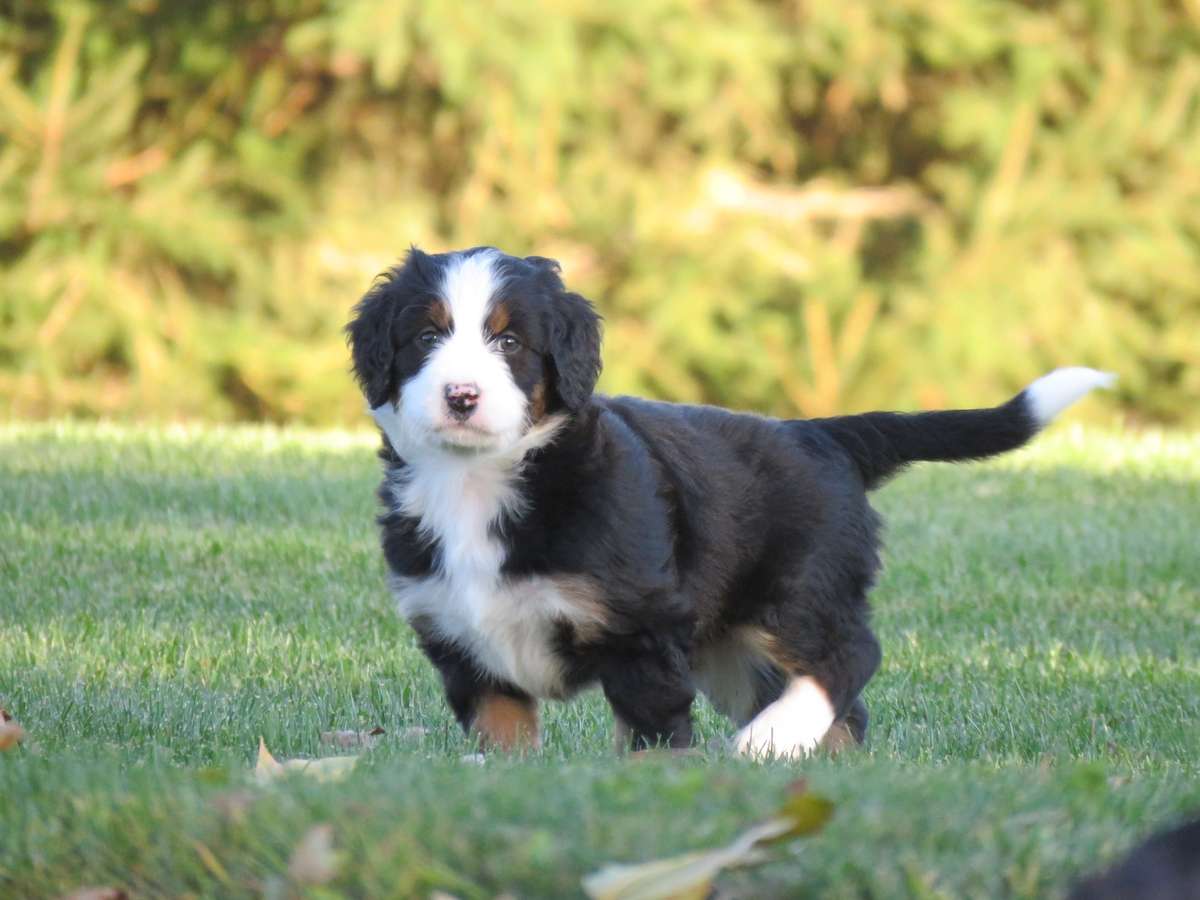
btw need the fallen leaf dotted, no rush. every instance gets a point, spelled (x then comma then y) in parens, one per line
(11, 734)
(96, 893)
(327, 768)
(266, 768)
(690, 876)
(314, 860)
(808, 814)
(347, 740)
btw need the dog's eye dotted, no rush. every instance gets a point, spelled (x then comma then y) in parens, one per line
(508, 343)
(429, 338)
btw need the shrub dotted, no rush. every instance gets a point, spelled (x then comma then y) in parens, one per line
(796, 208)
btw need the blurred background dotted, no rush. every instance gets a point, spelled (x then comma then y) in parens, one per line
(795, 207)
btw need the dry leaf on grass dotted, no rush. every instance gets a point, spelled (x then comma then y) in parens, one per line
(690, 875)
(329, 768)
(96, 893)
(348, 740)
(11, 734)
(314, 860)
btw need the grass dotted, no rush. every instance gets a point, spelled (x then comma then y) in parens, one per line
(169, 595)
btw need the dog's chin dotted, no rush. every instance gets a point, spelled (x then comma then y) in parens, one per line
(466, 438)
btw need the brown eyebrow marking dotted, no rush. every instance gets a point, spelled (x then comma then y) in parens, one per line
(439, 314)
(499, 318)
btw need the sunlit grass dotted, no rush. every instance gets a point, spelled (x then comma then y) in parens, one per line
(168, 595)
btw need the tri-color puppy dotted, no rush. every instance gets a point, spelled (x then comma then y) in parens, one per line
(541, 538)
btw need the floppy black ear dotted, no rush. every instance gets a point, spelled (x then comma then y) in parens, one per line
(372, 347)
(574, 349)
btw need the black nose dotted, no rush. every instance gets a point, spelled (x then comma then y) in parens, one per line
(462, 399)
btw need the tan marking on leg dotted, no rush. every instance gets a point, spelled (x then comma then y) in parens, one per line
(729, 671)
(506, 723)
(769, 646)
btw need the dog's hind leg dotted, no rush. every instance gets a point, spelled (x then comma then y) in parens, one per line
(819, 703)
(735, 672)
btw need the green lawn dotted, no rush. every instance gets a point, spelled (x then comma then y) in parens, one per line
(169, 595)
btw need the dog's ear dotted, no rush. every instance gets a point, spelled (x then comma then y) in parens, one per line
(372, 344)
(574, 349)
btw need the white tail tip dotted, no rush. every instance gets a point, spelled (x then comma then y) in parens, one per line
(1051, 394)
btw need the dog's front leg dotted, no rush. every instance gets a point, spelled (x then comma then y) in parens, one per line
(651, 693)
(501, 715)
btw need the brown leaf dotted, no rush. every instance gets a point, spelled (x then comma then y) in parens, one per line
(96, 893)
(807, 813)
(328, 768)
(266, 768)
(690, 876)
(5, 715)
(11, 734)
(314, 860)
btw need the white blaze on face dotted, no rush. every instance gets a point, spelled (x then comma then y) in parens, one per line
(467, 356)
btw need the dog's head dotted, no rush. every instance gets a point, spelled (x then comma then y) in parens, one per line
(469, 351)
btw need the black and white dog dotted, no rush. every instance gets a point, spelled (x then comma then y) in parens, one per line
(541, 539)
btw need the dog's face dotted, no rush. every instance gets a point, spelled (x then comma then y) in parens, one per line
(466, 352)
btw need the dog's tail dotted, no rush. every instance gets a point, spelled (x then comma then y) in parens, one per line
(881, 443)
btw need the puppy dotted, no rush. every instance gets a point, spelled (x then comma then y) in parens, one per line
(542, 539)
(1164, 867)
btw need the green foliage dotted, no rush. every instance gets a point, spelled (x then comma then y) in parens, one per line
(792, 207)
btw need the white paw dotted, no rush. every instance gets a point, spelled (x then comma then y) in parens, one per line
(764, 744)
(791, 727)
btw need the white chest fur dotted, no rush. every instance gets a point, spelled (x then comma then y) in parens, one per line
(507, 625)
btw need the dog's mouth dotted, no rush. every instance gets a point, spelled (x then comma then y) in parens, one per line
(465, 436)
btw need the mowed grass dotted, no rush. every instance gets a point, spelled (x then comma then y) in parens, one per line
(169, 595)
